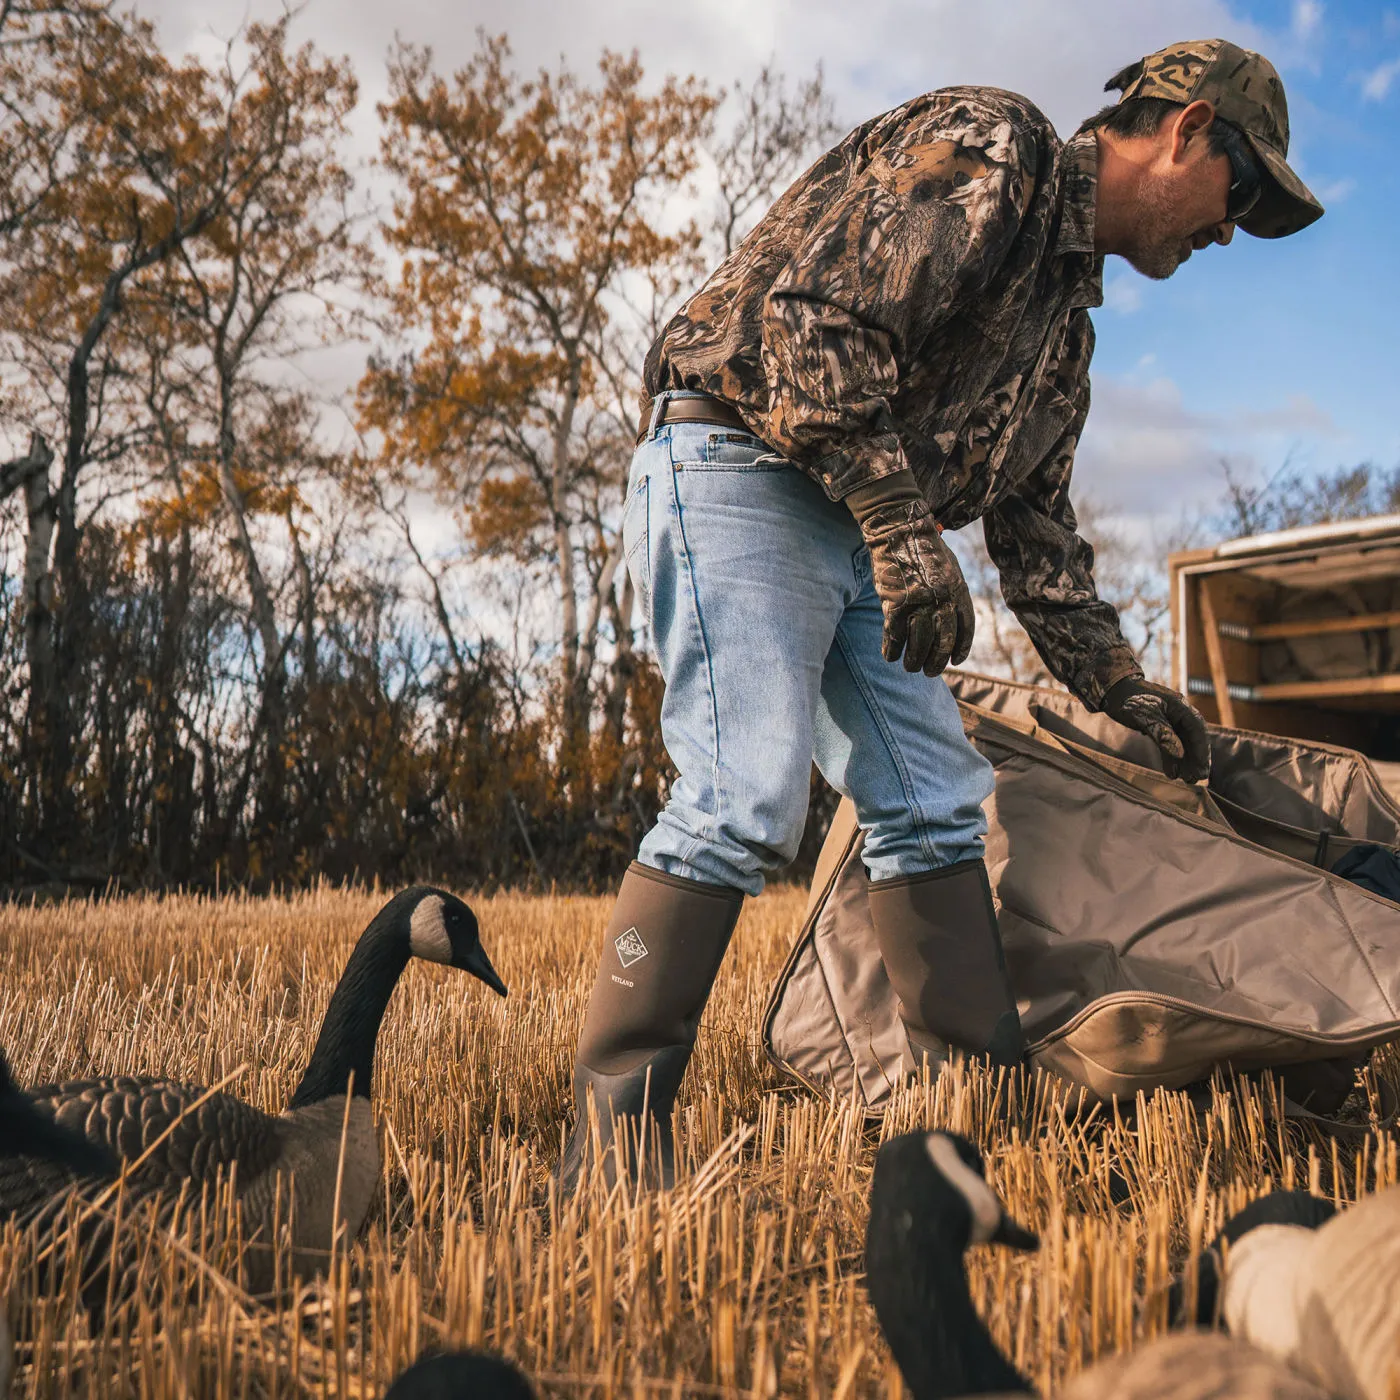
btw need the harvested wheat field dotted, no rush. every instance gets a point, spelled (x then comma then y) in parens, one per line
(744, 1281)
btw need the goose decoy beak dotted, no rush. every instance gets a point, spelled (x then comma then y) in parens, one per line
(478, 963)
(1014, 1235)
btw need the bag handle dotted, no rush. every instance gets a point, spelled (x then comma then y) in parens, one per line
(1185, 797)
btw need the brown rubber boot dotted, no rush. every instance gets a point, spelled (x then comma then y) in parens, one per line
(661, 954)
(940, 944)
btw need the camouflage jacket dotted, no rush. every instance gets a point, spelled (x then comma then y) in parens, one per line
(919, 299)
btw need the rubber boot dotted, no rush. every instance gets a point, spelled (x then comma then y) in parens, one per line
(940, 943)
(661, 954)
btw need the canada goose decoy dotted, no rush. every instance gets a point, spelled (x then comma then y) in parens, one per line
(928, 1202)
(212, 1134)
(1325, 1300)
(461, 1375)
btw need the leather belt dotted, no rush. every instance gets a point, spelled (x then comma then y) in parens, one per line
(704, 409)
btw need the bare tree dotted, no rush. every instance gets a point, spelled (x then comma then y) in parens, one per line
(772, 137)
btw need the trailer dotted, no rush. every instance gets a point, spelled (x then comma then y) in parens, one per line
(1296, 633)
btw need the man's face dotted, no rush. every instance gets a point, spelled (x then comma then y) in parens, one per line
(1180, 204)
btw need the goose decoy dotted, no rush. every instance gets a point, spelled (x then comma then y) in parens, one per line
(928, 1202)
(461, 1375)
(1325, 1300)
(211, 1135)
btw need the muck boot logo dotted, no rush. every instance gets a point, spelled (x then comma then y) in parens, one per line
(630, 947)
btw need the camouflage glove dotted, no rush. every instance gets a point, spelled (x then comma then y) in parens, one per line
(928, 610)
(1167, 720)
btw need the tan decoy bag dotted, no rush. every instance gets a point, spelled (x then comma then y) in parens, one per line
(1154, 931)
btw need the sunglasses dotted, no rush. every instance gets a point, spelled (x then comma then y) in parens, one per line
(1246, 178)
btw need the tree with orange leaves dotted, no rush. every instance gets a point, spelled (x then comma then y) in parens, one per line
(144, 159)
(538, 239)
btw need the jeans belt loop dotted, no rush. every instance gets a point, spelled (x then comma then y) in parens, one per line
(656, 406)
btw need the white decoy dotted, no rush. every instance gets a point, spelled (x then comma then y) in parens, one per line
(1325, 1300)
(1277, 1208)
(928, 1201)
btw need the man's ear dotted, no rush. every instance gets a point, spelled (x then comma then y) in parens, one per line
(1188, 128)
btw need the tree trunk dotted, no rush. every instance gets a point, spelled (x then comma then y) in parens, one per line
(574, 709)
(38, 614)
(272, 711)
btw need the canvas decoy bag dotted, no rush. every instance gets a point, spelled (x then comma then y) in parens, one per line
(1154, 931)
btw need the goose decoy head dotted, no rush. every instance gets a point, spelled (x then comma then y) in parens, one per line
(929, 1200)
(441, 928)
(461, 1375)
(1296, 1208)
(940, 1178)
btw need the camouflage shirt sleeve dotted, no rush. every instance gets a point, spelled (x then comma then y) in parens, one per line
(927, 225)
(1047, 568)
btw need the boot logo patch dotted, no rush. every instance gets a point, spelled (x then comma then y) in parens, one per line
(630, 947)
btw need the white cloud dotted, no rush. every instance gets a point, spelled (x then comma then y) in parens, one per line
(1376, 84)
(1332, 192)
(1122, 294)
(892, 51)
(1146, 451)
(1307, 15)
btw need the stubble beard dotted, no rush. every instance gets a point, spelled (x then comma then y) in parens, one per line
(1150, 250)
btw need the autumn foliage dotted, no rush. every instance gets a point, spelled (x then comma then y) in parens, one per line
(257, 627)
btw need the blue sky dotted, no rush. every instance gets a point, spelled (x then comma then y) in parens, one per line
(1261, 352)
(1268, 349)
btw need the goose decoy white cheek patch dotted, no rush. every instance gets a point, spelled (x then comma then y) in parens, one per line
(427, 936)
(986, 1210)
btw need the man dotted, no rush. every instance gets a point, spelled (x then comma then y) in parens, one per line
(901, 346)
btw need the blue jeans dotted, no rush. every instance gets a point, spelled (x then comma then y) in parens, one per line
(757, 589)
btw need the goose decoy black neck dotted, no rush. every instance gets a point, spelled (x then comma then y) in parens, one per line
(420, 922)
(928, 1202)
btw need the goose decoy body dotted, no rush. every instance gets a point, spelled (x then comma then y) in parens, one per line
(1325, 1300)
(294, 1157)
(928, 1202)
(461, 1375)
(1191, 1366)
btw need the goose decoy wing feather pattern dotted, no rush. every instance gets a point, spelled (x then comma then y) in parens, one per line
(127, 1115)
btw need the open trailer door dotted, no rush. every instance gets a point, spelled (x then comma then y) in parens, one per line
(1296, 633)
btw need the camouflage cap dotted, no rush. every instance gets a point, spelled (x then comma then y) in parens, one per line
(1246, 91)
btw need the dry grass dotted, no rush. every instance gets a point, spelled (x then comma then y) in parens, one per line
(746, 1280)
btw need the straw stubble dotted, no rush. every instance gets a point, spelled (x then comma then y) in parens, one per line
(745, 1281)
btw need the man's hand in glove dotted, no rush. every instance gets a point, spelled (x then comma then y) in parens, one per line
(928, 610)
(1167, 720)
